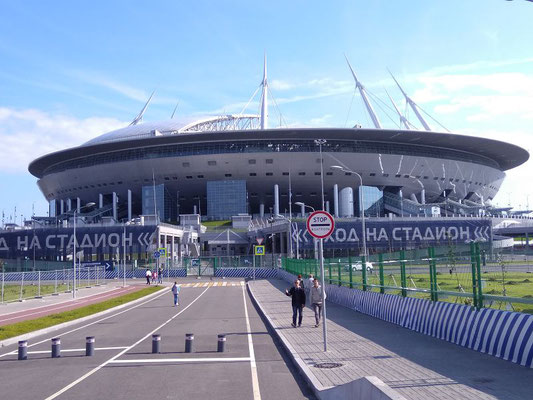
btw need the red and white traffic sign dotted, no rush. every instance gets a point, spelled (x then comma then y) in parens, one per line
(259, 240)
(320, 224)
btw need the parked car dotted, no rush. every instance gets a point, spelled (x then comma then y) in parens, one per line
(357, 266)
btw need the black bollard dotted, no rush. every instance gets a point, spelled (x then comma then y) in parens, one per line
(56, 347)
(156, 341)
(189, 340)
(23, 349)
(89, 346)
(221, 343)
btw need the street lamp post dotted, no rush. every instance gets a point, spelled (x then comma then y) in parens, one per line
(301, 204)
(74, 249)
(338, 167)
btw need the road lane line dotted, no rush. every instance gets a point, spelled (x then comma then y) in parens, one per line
(179, 360)
(74, 350)
(196, 285)
(224, 283)
(88, 374)
(164, 291)
(253, 366)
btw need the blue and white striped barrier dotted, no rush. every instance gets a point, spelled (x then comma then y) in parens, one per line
(246, 272)
(503, 334)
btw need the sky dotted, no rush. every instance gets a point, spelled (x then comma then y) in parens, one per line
(70, 71)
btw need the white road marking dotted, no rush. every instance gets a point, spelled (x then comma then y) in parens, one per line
(179, 360)
(82, 378)
(164, 291)
(196, 285)
(224, 283)
(253, 366)
(205, 284)
(72, 350)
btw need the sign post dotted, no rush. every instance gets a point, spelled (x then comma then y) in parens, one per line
(320, 225)
(259, 250)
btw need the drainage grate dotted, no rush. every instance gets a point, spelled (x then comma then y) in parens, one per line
(327, 365)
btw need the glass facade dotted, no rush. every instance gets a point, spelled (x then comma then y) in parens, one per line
(373, 201)
(268, 146)
(226, 198)
(164, 204)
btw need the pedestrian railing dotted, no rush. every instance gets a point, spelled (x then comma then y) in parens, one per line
(439, 274)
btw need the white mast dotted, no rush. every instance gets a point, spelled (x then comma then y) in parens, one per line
(368, 106)
(264, 98)
(139, 117)
(403, 120)
(413, 106)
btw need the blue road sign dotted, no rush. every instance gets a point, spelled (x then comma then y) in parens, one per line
(157, 254)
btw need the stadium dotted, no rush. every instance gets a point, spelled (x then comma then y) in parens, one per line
(230, 165)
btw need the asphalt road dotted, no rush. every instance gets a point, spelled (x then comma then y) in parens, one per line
(252, 367)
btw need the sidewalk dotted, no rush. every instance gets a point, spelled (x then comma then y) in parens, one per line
(414, 365)
(16, 311)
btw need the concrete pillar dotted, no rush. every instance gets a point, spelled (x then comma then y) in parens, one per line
(129, 205)
(261, 210)
(195, 211)
(62, 206)
(69, 204)
(346, 202)
(302, 210)
(327, 206)
(273, 243)
(78, 205)
(276, 199)
(423, 196)
(100, 200)
(282, 243)
(336, 200)
(115, 201)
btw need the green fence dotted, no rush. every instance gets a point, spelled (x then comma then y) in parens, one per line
(469, 274)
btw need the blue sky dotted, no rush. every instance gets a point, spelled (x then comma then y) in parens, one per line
(70, 71)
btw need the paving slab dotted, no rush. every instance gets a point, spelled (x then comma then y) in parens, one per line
(414, 365)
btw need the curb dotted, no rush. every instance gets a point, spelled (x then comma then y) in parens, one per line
(31, 335)
(368, 387)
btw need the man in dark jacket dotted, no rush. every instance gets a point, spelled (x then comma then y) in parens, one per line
(298, 302)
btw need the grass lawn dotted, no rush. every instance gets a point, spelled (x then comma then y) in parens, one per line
(516, 284)
(21, 328)
(12, 292)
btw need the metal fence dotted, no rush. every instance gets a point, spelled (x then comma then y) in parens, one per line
(469, 275)
(18, 286)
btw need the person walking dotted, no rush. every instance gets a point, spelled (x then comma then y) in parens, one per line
(154, 276)
(148, 276)
(310, 283)
(298, 302)
(175, 292)
(160, 275)
(316, 301)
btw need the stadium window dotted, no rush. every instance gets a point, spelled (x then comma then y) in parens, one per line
(385, 175)
(269, 161)
(200, 176)
(189, 177)
(227, 175)
(211, 163)
(313, 194)
(329, 173)
(301, 173)
(120, 182)
(269, 174)
(285, 173)
(348, 173)
(397, 175)
(372, 174)
(251, 161)
(175, 178)
(167, 178)
(317, 173)
(436, 178)
(186, 164)
(407, 176)
(426, 177)
(253, 174)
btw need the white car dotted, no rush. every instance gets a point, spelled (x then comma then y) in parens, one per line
(359, 267)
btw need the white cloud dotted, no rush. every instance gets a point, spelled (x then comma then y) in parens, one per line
(30, 133)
